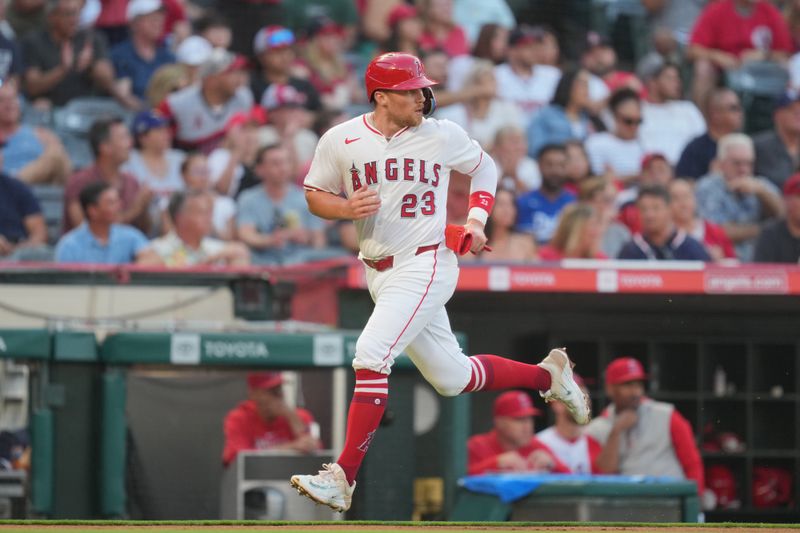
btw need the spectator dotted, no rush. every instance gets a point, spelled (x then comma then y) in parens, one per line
(736, 199)
(215, 29)
(779, 242)
(153, 163)
(521, 80)
(110, 141)
(23, 233)
(405, 27)
(549, 52)
(659, 238)
(197, 177)
(112, 21)
(600, 59)
(436, 65)
(656, 170)
(482, 115)
(231, 163)
(516, 170)
(247, 16)
(778, 149)
(200, 112)
(566, 118)
(578, 168)
(273, 219)
(11, 64)
(26, 16)
(375, 18)
(165, 81)
(577, 235)
(191, 54)
(725, 116)
(301, 14)
(538, 210)
(618, 154)
(64, 62)
(600, 193)
(668, 122)
(641, 436)
(512, 445)
(676, 16)
(189, 243)
(324, 64)
(566, 440)
(473, 15)
(136, 58)
(729, 33)
(492, 45)
(101, 238)
(265, 422)
(32, 154)
(684, 213)
(507, 243)
(274, 50)
(441, 31)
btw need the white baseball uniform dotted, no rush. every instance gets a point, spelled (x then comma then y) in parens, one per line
(411, 172)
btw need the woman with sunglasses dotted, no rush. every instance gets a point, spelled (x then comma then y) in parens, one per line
(618, 153)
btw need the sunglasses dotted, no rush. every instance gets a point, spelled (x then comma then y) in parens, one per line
(628, 121)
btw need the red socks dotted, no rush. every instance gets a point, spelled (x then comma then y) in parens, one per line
(490, 372)
(366, 410)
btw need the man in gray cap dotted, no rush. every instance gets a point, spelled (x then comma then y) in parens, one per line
(201, 111)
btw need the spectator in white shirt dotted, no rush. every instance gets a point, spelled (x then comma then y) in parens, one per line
(197, 177)
(669, 123)
(521, 80)
(516, 171)
(618, 154)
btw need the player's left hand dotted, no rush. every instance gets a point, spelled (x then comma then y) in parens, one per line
(479, 239)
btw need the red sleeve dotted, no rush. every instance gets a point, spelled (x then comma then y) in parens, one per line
(716, 235)
(558, 466)
(781, 39)
(594, 452)
(703, 31)
(686, 449)
(480, 458)
(236, 436)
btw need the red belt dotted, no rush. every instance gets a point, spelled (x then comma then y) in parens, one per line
(388, 262)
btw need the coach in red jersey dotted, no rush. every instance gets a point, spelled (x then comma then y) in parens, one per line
(265, 422)
(511, 446)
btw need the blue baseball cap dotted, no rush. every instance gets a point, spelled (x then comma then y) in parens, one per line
(146, 121)
(788, 97)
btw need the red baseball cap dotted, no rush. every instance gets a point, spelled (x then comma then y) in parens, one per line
(264, 380)
(623, 370)
(792, 185)
(649, 158)
(401, 12)
(515, 404)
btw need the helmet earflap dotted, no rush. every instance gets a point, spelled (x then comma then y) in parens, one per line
(430, 102)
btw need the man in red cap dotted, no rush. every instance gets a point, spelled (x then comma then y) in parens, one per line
(265, 421)
(641, 436)
(511, 446)
(779, 241)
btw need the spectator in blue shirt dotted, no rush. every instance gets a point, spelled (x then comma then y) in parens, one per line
(659, 238)
(538, 210)
(566, 117)
(22, 226)
(139, 56)
(99, 239)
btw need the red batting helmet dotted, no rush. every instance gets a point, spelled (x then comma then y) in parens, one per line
(396, 71)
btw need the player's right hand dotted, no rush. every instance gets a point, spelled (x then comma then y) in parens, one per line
(364, 203)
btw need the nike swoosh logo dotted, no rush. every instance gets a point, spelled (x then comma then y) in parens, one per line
(348, 141)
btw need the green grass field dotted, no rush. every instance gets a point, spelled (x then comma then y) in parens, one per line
(40, 526)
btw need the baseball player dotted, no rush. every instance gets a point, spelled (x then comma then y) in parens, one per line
(388, 170)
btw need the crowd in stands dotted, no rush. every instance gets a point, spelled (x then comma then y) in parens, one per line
(639, 148)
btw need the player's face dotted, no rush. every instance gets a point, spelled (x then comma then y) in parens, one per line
(405, 107)
(626, 395)
(516, 431)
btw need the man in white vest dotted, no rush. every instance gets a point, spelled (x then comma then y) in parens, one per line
(641, 436)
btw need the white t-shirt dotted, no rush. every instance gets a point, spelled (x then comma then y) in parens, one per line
(667, 128)
(162, 186)
(410, 172)
(573, 454)
(224, 211)
(501, 113)
(217, 161)
(172, 250)
(529, 93)
(598, 90)
(624, 157)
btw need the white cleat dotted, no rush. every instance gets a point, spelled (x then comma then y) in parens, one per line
(563, 387)
(329, 487)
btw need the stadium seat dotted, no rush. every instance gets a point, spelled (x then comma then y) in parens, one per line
(758, 84)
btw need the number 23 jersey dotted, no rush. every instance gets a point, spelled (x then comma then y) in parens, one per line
(410, 171)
